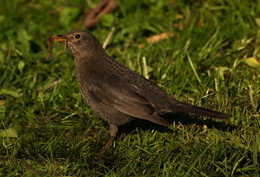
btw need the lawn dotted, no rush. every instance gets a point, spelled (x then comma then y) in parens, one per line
(210, 58)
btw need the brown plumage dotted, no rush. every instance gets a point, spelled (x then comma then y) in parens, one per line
(117, 93)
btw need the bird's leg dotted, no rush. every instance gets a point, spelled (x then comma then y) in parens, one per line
(113, 132)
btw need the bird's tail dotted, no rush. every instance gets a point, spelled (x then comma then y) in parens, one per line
(178, 106)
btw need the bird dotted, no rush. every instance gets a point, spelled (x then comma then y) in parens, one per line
(118, 94)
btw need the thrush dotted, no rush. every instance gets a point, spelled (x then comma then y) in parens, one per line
(118, 94)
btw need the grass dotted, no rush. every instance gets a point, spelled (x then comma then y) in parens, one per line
(47, 130)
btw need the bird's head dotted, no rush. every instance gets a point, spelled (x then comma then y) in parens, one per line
(82, 43)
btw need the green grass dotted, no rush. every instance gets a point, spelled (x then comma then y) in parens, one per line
(46, 129)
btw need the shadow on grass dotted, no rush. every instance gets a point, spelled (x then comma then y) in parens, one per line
(181, 118)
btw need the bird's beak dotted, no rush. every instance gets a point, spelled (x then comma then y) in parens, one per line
(59, 38)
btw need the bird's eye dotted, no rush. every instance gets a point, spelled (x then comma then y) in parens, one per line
(77, 36)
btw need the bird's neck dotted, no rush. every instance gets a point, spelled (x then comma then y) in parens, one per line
(87, 64)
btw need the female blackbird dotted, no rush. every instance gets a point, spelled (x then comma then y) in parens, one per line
(117, 93)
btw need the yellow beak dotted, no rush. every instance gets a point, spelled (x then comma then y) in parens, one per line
(59, 38)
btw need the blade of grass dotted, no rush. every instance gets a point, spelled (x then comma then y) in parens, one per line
(193, 68)
(191, 167)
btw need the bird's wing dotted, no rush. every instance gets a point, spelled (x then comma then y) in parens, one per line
(119, 94)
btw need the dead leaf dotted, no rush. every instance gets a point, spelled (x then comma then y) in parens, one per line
(10, 133)
(253, 62)
(92, 16)
(159, 37)
(141, 46)
(201, 22)
(2, 102)
(179, 17)
(179, 26)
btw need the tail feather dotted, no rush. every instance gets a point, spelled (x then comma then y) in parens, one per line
(178, 106)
